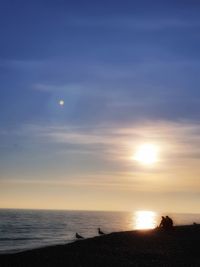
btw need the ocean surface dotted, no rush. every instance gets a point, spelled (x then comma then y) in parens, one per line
(26, 229)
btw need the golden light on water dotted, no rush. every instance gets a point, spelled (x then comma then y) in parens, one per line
(145, 220)
(146, 154)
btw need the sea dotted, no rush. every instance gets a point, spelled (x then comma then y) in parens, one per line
(27, 229)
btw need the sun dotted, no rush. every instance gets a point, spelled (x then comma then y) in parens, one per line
(146, 154)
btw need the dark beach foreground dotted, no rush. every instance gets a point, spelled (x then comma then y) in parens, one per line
(179, 247)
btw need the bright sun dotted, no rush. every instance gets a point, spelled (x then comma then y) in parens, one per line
(146, 154)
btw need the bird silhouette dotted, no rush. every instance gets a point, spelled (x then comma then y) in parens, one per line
(100, 232)
(79, 236)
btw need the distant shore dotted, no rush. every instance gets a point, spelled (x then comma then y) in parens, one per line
(179, 247)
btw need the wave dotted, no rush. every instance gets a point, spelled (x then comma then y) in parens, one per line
(19, 238)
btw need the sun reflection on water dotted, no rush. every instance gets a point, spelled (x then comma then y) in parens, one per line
(145, 219)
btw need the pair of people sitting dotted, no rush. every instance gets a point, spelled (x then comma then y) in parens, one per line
(166, 223)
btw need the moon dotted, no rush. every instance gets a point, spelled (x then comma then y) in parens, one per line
(61, 102)
(146, 154)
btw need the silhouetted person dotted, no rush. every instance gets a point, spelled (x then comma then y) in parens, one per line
(166, 223)
(169, 223)
(163, 223)
(100, 232)
(79, 236)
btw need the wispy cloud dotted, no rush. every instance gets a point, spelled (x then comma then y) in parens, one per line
(134, 23)
(179, 142)
(23, 64)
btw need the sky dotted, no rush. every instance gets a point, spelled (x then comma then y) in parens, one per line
(129, 74)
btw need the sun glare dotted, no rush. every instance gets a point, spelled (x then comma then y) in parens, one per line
(145, 220)
(146, 154)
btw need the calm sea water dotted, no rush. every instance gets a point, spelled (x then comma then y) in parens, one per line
(26, 229)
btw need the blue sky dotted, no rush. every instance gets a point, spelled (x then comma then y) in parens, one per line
(145, 56)
(127, 70)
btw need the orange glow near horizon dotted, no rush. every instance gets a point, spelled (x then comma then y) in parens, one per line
(144, 220)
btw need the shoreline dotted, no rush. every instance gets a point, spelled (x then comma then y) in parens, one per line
(179, 247)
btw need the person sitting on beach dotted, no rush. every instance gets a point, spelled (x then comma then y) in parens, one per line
(163, 223)
(169, 223)
(166, 223)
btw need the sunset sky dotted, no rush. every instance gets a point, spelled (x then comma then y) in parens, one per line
(128, 74)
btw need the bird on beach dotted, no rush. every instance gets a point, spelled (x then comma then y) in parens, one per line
(100, 232)
(79, 236)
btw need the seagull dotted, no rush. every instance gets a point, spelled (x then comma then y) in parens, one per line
(100, 232)
(79, 236)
